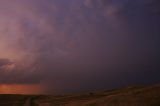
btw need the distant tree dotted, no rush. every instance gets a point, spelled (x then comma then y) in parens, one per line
(91, 93)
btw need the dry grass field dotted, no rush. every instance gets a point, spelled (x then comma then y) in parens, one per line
(131, 96)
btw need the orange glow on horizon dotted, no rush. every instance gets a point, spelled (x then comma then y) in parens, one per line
(20, 89)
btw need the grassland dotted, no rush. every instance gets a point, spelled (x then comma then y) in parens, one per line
(131, 96)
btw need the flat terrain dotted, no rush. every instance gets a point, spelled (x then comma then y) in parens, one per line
(131, 96)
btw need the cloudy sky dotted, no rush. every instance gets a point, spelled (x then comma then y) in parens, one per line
(58, 46)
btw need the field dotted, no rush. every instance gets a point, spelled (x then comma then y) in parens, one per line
(131, 96)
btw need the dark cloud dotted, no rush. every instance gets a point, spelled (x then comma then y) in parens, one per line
(4, 62)
(80, 44)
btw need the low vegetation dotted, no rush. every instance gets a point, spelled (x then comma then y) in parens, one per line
(132, 96)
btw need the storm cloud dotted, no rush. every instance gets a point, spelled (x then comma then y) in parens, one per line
(73, 45)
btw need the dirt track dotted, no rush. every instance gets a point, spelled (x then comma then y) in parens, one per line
(28, 102)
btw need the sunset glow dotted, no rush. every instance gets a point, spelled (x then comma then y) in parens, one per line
(20, 89)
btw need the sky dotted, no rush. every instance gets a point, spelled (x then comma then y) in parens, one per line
(65, 46)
